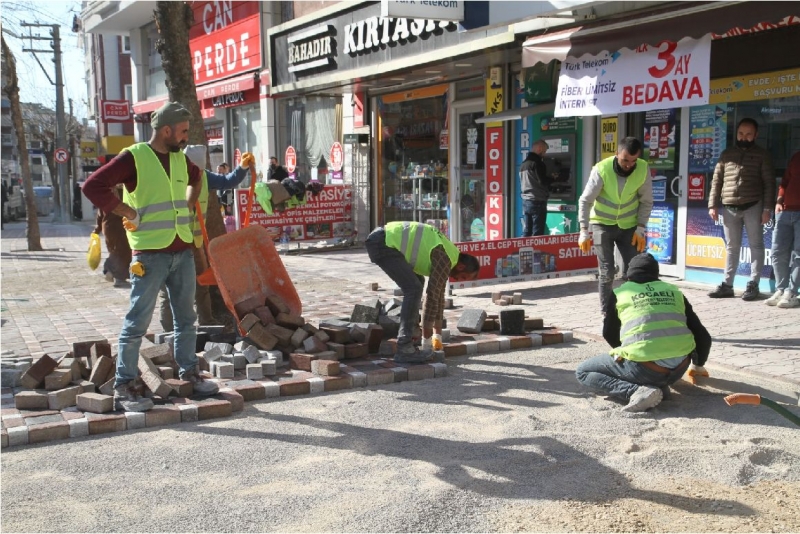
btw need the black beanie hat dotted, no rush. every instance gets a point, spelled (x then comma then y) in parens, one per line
(643, 268)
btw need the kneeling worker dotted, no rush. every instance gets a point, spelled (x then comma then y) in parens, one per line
(407, 252)
(655, 335)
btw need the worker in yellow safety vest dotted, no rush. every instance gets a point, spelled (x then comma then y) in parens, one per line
(407, 252)
(615, 206)
(655, 336)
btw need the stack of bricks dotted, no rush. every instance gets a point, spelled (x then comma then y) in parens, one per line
(506, 300)
(223, 360)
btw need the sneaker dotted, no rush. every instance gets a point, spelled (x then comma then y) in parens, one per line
(643, 399)
(127, 398)
(408, 353)
(775, 298)
(788, 301)
(121, 283)
(723, 291)
(200, 385)
(751, 292)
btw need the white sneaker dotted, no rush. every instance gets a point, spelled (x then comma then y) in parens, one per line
(775, 298)
(788, 301)
(643, 399)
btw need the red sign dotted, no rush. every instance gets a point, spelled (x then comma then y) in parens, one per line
(697, 187)
(237, 157)
(291, 159)
(494, 183)
(527, 258)
(337, 156)
(116, 110)
(325, 216)
(225, 39)
(61, 155)
(214, 136)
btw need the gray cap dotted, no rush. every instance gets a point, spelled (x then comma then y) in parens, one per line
(169, 114)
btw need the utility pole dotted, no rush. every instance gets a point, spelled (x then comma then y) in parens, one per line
(73, 162)
(61, 133)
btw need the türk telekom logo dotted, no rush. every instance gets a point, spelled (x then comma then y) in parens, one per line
(225, 39)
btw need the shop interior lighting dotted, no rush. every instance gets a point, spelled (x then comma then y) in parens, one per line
(433, 72)
(463, 64)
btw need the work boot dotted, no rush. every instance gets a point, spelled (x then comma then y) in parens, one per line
(775, 298)
(201, 386)
(128, 398)
(408, 353)
(751, 292)
(118, 282)
(723, 291)
(643, 399)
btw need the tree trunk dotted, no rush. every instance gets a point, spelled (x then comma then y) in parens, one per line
(11, 89)
(173, 20)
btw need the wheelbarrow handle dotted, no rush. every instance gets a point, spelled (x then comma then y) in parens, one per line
(201, 220)
(250, 195)
(743, 398)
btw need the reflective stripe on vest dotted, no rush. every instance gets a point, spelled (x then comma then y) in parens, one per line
(415, 241)
(653, 318)
(197, 231)
(613, 207)
(160, 200)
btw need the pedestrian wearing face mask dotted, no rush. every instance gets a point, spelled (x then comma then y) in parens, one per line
(743, 192)
(275, 171)
(615, 207)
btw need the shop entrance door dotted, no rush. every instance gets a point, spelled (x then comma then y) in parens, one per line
(468, 187)
(665, 149)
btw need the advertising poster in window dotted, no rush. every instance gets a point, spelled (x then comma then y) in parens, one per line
(709, 125)
(659, 233)
(328, 215)
(527, 258)
(659, 139)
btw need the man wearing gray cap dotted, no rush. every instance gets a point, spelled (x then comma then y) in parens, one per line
(160, 188)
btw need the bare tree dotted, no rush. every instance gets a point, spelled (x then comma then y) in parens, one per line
(11, 89)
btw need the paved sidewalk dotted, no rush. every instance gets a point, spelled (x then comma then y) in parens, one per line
(51, 299)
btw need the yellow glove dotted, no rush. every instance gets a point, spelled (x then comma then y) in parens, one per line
(131, 225)
(248, 159)
(639, 239)
(585, 241)
(436, 342)
(696, 371)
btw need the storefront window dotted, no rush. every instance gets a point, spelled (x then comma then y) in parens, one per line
(310, 125)
(413, 154)
(471, 177)
(246, 130)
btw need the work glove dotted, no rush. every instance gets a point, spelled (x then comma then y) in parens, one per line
(427, 343)
(585, 241)
(696, 371)
(131, 225)
(248, 159)
(639, 239)
(436, 342)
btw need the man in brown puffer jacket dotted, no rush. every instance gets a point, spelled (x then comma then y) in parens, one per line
(744, 186)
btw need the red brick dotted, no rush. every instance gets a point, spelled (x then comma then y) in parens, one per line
(243, 307)
(336, 383)
(378, 377)
(48, 432)
(420, 372)
(301, 361)
(251, 392)
(455, 349)
(374, 338)
(95, 351)
(100, 370)
(102, 424)
(356, 350)
(534, 323)
(83, 349)
(248, 321)
(294, 387)
(290, 321)
(212, 409)
(551, 338)
(162, 415)
(325, 367)
(276, 304)
(337, 334)
(520, 342)
(235, 398)
(262, 337)
(264, 315)
(183, 388)
(489, 325)
(11, 423)
(284, 335)
(34, 376)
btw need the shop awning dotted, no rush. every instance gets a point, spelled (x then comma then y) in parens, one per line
(515, 114)
(680, 20)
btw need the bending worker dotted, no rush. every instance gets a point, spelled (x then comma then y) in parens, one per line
(616, 205)
(407, 252)
(655, 336)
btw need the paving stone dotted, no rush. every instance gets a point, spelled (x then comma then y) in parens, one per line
(520, 342)
(101, 369)
(239, 362)
(374, 338)
(516, 299)
(336, 348)
(58, 400)
(181, 388)
(107, 388)
(301, 361)
(313, 345)
(162, 415)
(283, 335)
(82, 349)
(276, 304)
(213, 354)
(11, 378)
(264, 315)
(78, 427)
(268, 367)
(250, 390)
(152, 380)
(3, 438)
(337, 334)
(387, 348)
(224, 348)
(34, 377)
(512, 322)
(372, 286)
(158, 354)
(254, 371)
(471, 321)
(135, 420)
(379, 377)
(325, 367)
(42, 419)
(322, 336)
(298, 337)
(17, 436)
(358, 334)
(251, 354)
(70, 364)
(31, 400)
(496, 295)
(233, 397)
(356, 350)
(533, 323)
(106, 423)
(455, 349)
(48, 432)
(551, 337)
(95, 402)
(224, 369)
(421, 372)
(166, 372)
(439, 369)
(247, 305)
(189, 413)
(290, 388)
(290, 321)
(242, 344)
(359, 379)
(364, 314)
(271, 389)
(337, 383)
(248, 321)
(213, 408)
(316, 385)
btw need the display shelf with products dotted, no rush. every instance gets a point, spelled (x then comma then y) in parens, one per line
(419, 194)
